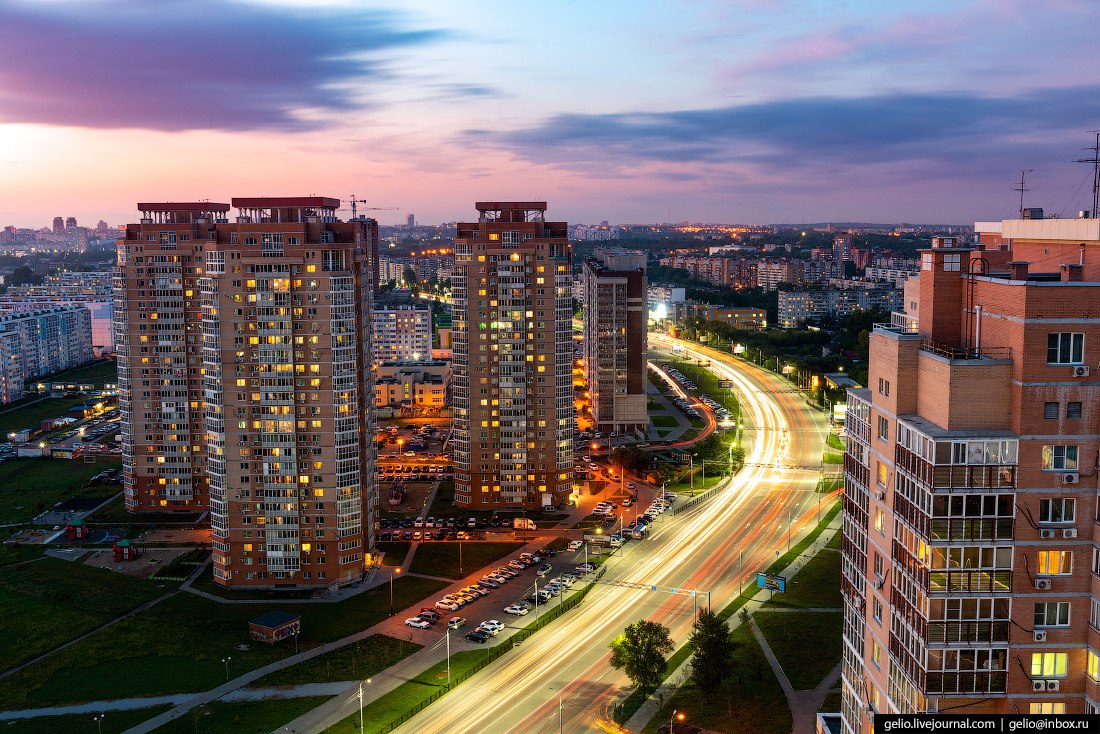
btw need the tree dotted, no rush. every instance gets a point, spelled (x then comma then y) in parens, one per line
(408, 277)
(713, 652)
(640, 653)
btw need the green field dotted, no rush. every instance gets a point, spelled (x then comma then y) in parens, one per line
(440, 558)
(806, 644)
(750, 701)
(113, 721)
(30, 413)
(707, 383)
(353, 662)
(97, 373)
(31, 486)
(816, 585)
(241, 716)
(50, 601)
(663, 421)
(178, 645)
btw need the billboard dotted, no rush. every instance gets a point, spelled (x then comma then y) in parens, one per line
(770, 581)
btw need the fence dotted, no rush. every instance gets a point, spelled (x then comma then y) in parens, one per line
(493, 653)
(701, 498)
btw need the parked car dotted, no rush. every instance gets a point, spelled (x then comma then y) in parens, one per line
(518, 609)
(575, 544)
(477, 636)
(417, 622)
(456, 622)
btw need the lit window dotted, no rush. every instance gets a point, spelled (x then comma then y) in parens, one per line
(1060, 458)
(1055, 563)
(1048, 664)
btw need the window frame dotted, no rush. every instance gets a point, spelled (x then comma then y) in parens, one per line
(1070, 342)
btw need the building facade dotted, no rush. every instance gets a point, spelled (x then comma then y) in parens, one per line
(402, 333)
(51, 337)
(969, 570)
(799, 307)
(512, 359)
(245, 382)
(615, 321)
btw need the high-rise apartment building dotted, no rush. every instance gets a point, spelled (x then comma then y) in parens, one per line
(969, 570)
(245, 382)
(615, 320)
(512, 385)
(402, 333)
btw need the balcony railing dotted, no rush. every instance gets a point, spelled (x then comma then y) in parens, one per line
(952, 352)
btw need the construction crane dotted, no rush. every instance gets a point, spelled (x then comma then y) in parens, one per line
(355, 201)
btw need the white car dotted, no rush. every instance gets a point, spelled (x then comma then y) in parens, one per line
(417, 622)
(518, 609)
(450, 606)
(492, 625)
(575, 545)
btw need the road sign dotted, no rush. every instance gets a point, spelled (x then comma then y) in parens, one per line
(725, 384)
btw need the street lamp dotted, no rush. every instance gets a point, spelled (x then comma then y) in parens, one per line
(98, 719)
(392, 572)
(676, 716)
(225, 661)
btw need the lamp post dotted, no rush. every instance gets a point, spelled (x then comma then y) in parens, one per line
(98, 719)
(676, 716)
(691, 473)
(225, 661)
(448, 656)
(396, 570)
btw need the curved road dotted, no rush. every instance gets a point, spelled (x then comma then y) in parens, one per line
(563, 671)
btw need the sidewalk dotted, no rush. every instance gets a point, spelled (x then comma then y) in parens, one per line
(652, 705)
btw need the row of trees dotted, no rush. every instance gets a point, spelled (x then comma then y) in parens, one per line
(641, 652)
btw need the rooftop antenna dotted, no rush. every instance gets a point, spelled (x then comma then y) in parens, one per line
(1095, 161)
(1021, 188)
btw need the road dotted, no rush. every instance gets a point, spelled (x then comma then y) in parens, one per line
(563, 671)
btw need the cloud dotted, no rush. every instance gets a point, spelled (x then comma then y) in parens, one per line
(191, 64)
(811, 132)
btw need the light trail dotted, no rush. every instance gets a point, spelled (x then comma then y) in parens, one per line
(700, 549)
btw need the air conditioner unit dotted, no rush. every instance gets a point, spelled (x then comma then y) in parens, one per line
(1042, 584)
(1070, 478)
(1046, 533)
(1040, 635)
(1053, 685)
(881, 495)
(1069, 533)
(1038, 685)
(1081, 371)
(878, 583)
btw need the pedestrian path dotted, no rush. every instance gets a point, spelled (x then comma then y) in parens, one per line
(803, 704)
(130, 704)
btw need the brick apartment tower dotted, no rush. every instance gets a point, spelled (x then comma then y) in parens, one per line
(266, 323)
(969, 572)
(615, 320)
(513, 391)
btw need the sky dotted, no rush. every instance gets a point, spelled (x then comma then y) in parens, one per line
(631, 111)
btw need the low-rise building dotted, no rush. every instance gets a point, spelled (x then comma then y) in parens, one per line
(402, 333)
(813, 306)
(418, 384)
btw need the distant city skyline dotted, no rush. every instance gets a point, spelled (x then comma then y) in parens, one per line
(736, 112)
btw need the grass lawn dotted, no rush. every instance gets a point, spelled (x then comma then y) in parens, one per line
(835, 442)
(835, 541)
(684, 487)
(48, 602)
(443, 503)
(31, 486)
(831, 704)
(137, 657)
(807, 644)
(11, 553)
(394, 552)
(831, 457)
(664, 421)
(114, 721)
(381, 712)
(750, 701)
(241, 716)
(30, 412)
(440, 558)
(354, 662)
(816, 585)
(97, 373)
